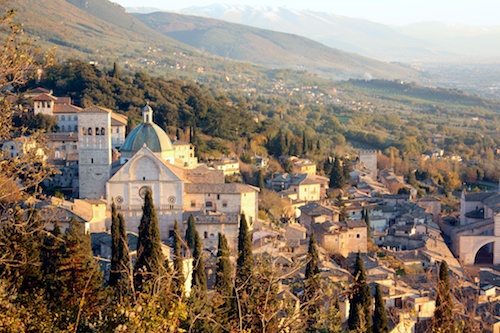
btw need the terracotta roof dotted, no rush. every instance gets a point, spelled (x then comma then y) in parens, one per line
(118, 119)
(231, 188)
(356, 224)
(97, 109)
(44, 97)
(66, 108)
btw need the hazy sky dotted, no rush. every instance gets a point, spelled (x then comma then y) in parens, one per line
(476, 12)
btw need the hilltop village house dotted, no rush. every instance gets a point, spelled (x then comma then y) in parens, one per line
(86, 151)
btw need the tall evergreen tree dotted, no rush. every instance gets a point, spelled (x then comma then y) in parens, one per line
(223, 283)
(361, 299)
(199, 275)
(190, 231)
(121, 272)
(443, 313)
(312, 286)
(245, 261)
(77, 280)
(312, 268)
(114, 274)
(260, 180)
(337, 179)
(366, 217)
(179, 279)
(380, 321)
(150, 263)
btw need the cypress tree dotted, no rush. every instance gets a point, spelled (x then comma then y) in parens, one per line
(312, 285)
(190, 231)
(120, 259)
(199, 275)
(150, 261)
(337, 179)
(179, 279)
(380, 321)
(366, 217)
(361, 299)
(77, 279)
(114, 274)
(312, 268)
(223, 283)
(260, 180)
(443, 313)
(245, 262)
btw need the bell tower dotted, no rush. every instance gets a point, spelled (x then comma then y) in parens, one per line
(94, 145)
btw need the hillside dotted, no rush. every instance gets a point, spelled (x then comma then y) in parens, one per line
(422, 42)
(269, 48)
(103, 32)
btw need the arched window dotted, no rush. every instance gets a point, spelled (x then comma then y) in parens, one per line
(89, 131)
(97, 131)
(102, 131)
(76, 128)
(208, 204)
(62, 128)
(63, 118)
(84, 132)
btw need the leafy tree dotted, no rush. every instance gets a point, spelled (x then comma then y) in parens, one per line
(179, 279)
(380, 322)
(361, 299)
(337, 179)
(150, 262)
(443, 313)
(190, 231)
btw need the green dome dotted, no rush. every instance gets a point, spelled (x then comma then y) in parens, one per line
(150, 134)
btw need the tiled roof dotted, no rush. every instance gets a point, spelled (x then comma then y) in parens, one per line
(97, 109)
(231, 188)
(480, 196)
(314, 209)
(66, 108)
(356, 224)
(44, 97)
(118, 119)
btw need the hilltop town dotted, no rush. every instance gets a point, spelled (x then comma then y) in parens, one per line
(402, 238)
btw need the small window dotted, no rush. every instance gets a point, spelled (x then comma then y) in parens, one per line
(76, 128)
(205, 234)
(63, 128)
(357, 236)
(218, 196)
(208, 204)
(193, 203)
(102, 131)
(89, 131)
(97, 131)
(91, 161)
(75, 117)
(224, 204)
(63, 118)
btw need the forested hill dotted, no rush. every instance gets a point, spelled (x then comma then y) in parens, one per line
(102, 31)
(270, 48)
(177, 104)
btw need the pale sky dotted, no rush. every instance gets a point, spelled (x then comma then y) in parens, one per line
(475, 12)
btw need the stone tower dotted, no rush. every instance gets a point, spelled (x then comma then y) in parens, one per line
(369, 158)
(94, 160)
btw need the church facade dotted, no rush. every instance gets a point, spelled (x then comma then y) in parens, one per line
(149, 161)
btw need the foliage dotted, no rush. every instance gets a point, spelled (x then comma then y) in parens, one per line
(120, 275)
(361, 299)
(190, 231)
(179, 279)
(337, 179)
(443, 313)
(150, 263)
(380, 321)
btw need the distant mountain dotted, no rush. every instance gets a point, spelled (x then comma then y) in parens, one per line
(420, 42)
(270, 48)
(183, 46)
